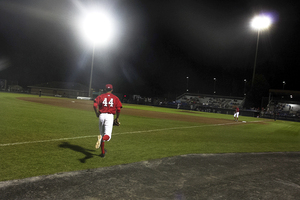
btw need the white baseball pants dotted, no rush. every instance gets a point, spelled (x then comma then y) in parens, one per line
(106, 124)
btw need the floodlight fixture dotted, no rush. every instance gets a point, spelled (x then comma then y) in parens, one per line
(261, 22)
(283, 84)
(98, 27)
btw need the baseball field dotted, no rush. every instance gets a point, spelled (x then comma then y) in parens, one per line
(47, 135)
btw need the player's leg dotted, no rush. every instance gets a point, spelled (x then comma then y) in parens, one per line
(107, 130)
(101, 129)
(108, 127)
(98, 142)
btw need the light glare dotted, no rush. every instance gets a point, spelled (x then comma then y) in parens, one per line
(98, 27)
(261, 22)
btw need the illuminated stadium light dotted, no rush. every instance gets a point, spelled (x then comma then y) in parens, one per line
(98, 27)
(283, 84)
(261, 22)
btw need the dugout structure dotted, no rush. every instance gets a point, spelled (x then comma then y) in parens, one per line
(283, 104)
(3, 84)
(214, 104)
(59, 89)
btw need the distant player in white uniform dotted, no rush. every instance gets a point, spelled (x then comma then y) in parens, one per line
(236, 114)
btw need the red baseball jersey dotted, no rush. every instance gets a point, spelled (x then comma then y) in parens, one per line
(237, 110)
(108, 103)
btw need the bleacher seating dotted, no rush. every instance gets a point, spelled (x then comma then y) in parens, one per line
(211, 101)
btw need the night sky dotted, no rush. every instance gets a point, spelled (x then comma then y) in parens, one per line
(158, 45)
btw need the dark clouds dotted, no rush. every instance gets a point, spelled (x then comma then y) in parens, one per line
(159, 44)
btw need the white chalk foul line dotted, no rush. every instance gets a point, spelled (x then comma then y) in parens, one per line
(133, 132)
(41, 141)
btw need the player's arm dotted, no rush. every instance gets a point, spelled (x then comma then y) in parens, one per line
(118, 110)
(96, 108)
(117, 115)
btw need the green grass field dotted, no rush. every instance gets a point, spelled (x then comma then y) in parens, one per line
(38, 139)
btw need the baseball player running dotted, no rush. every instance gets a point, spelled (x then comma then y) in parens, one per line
(106, 106)
(236, 114)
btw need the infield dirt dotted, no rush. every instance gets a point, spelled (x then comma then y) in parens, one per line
(88, 105)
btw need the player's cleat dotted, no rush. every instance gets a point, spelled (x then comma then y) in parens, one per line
(103, 155)
(98, 143)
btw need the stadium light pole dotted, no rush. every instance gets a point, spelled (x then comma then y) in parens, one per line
(91, 74)
(187, 83)
(245, 80)
(259, 23)
(215, 79)
(98, 28)
(283, 84)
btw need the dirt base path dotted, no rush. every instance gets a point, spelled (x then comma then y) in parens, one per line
(88, 105)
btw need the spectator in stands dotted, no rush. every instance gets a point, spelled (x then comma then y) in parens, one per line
(276, 107)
